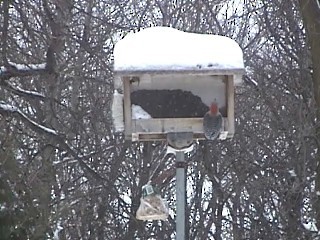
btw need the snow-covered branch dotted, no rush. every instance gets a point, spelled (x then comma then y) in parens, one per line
(17, 70)
(22, 92)
(24, 67)
(9, 109)
(6, 108)
(250, 81)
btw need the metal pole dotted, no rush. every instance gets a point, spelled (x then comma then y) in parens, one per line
(181, 190)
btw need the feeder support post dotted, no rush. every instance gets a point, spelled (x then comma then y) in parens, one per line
(179, 141)
(181, 194)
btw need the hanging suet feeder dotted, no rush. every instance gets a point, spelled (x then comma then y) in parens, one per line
(152, 206)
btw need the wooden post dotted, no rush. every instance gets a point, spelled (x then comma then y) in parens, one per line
(230, 105)
(127, 108)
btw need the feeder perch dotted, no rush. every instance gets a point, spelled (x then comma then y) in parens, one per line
(166, 79)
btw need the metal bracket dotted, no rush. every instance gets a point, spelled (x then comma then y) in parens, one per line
(181, 165)
(180, 140)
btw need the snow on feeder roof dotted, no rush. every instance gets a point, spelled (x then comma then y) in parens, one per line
(168, 49)
(173, 76)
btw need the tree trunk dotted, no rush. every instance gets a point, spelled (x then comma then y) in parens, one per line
(310, 10)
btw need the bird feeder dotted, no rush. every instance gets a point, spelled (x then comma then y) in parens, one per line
(152, 206)
(165, 80)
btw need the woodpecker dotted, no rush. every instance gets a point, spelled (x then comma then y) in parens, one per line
(212, 122)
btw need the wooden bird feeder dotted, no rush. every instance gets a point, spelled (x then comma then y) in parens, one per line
(157, 70)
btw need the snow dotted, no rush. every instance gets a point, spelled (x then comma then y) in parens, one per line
(57, 230)
(139, 113)
(7, 107)
(23, 67)
(292, 173)
(2, 69)
(2, 207)
(28, 66)
(172, 150)
(310, 226)
(48, 130)
(253, 81)
(12, 109)
(34, 93)
(164, 48)
(216, 179)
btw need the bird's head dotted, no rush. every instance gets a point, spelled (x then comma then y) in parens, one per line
(214, 108)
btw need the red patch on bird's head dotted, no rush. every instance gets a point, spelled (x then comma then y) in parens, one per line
(214, 108)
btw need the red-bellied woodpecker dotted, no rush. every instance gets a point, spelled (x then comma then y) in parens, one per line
(212, 122)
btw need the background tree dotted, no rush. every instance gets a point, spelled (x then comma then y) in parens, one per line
(310, 11)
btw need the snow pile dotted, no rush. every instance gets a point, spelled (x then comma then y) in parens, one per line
(117, 111)
(139, 113)
(164, 48)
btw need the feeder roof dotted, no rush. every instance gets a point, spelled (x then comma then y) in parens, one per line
(168, 49)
